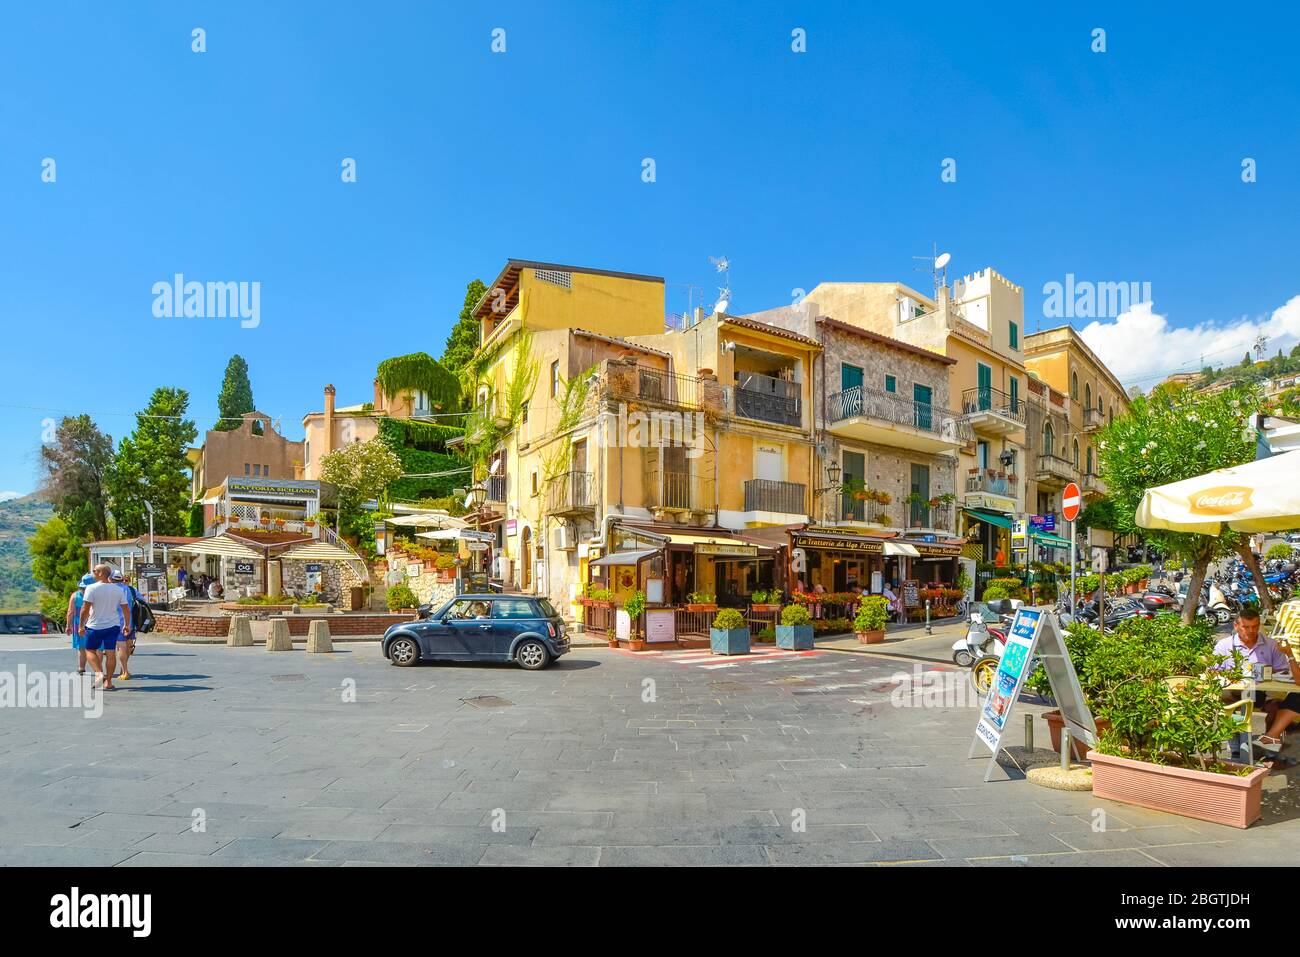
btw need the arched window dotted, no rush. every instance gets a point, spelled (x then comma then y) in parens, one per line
(1089, 472)
(1076, 455)
(1048, 438)
(1087, 397)
(1074, 386)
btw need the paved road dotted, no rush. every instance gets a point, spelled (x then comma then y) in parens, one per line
(608, 758)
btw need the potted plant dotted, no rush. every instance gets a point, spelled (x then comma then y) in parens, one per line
(730, 633)
(601, 598)
(765, 600)
(701, 601)
(401, 598)
(634, 605)
(279, 523)
(767, 635)
(446, 566)
(309, 522)
(795, 633)
(869, 622)
(265, 520)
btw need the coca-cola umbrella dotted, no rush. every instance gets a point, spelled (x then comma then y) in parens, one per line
(1260, 496)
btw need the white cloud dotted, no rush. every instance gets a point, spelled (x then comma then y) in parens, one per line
(6, 496)
(1142, 348)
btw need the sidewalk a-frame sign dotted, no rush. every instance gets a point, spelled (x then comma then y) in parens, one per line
(1033, 633)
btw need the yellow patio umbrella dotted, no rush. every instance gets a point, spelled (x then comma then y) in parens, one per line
(1260, 496)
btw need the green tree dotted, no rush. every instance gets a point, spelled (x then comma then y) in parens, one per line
(1169, 437)
(151, 466)
(360, 472)
(463, 339)
(236, 396)
(76, 467)
(58, 561)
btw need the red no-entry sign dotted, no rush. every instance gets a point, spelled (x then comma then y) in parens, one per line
(1071, 501)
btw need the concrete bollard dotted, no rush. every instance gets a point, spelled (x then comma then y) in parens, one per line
(241, 632)
(318, 637)
(277, 636)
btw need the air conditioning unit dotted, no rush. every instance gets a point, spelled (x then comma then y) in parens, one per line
(562, 538)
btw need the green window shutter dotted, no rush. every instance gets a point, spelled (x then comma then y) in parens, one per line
(891, 384)
(850, 377)
(1015, 335)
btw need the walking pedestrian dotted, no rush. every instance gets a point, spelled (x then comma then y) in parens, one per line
(126, 647)
(180, 578)
(102, 606)
(74, 620)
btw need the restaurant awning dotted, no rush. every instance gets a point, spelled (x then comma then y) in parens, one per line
(1260, 496)
(426, 520)
(222, 545)
(626, 558)
(1050, 541)
(441, 535)
(326, 552)
(991, 517)
(901, 548)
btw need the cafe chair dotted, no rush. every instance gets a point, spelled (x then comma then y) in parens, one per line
(1244, 719)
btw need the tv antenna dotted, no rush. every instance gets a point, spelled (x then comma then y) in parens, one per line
(722, 265)
(936, 264)
(1261, 343)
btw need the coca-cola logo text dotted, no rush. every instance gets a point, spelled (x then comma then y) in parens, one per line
(1222, 500)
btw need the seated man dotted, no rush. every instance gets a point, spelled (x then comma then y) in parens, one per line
(1260, 649)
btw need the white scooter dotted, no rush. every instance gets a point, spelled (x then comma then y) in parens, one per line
(979, 641)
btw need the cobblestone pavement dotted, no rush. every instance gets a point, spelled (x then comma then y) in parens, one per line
(220, 756)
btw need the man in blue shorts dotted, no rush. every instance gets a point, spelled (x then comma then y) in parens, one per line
(102, 606)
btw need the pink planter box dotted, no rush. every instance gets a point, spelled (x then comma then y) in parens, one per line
(1221, 798)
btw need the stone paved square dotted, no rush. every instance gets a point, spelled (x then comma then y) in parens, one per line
(604, 759)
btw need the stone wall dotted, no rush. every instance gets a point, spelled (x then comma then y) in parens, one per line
(171, 623)
(207, 626)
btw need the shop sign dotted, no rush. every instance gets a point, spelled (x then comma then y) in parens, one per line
(243, 568)
(988, 502)
(512, 526)
(262, 490)
(945, 551)
(1042, 523)
(727, 550)
(840, 543)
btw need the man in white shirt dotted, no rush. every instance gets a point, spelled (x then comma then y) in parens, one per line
(103, 605)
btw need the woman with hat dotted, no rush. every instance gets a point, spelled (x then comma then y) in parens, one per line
(74, 621)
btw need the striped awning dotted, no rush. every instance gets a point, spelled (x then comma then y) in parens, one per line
(319, 552)
(223, 545)
(426, 520)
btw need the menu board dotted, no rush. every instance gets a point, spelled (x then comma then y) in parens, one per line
(660, 625)
(911, 593)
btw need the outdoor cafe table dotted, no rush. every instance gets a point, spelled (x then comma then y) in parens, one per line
(1273, 686)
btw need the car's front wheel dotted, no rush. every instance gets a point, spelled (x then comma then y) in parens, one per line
(532, 655)
(404, 652)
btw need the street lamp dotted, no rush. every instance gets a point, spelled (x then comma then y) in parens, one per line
(475, 495)
(149, 508)
(833, 472)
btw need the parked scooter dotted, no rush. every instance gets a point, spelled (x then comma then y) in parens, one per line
(985, 629)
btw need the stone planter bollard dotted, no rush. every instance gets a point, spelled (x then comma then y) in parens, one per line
(318, 637)
(277, 637)
(241, 632)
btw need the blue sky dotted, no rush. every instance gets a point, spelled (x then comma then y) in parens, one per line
(825, 165)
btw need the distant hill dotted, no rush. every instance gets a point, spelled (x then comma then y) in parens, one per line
(18, 520)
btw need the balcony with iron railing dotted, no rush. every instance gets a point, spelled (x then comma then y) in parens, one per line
(992, 482)
(657, 386)
(1054, 470)
(1093, 420)
(853, 509)
(673, 490)
(570, 493)
(767, 495)
(496, 488)
(930, 517)
(872, 415)
(992, 412)
(767, 399)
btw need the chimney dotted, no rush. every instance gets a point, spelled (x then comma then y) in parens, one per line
(699, 315)
(379, 397)
(329, 420)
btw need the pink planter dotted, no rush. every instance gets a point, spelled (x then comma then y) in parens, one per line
(1221, 798)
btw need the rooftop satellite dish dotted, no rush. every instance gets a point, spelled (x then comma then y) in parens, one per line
(469, 500)
(721, 306)
(942, 260)
(496, 464)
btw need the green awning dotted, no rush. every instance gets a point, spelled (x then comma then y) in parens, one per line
(1051, 541)
(991, 517)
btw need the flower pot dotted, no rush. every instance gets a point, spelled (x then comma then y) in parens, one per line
(765, 607)
(636, 644)
(613, 642)
(1221, 798)
(729, 641)
(871, 637)
(701, 607)
(794, 637)
(1079, 749)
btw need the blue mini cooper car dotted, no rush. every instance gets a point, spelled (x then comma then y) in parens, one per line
(481, 627)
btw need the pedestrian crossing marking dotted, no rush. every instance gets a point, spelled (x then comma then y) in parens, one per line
(704, 659)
